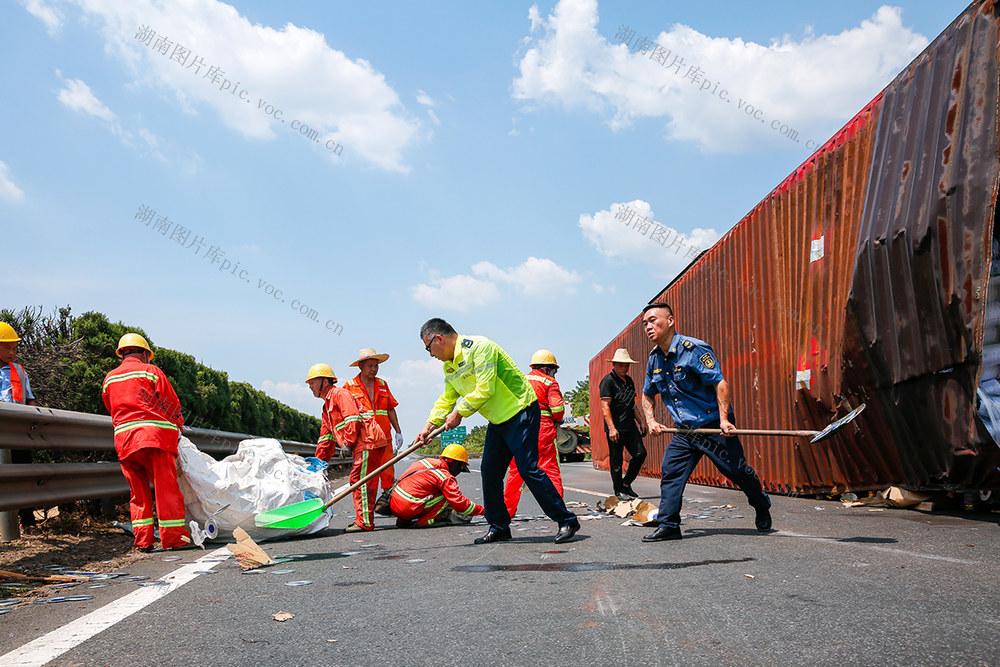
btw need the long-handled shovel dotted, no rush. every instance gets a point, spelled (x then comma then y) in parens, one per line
(301, 514)
(816, 436)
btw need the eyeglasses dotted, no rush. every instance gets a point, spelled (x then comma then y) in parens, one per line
(430, 342)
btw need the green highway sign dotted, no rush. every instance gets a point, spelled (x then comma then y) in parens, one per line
(455, 436)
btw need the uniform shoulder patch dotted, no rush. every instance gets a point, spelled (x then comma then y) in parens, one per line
(707, 360)
(467, 342)
(687, 345)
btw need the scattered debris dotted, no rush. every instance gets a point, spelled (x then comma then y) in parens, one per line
(639, 512)
(902, 498)
(749, 576)
(576, 504)
(298, 583)
(282, 616)
(421, 560)
(348, 567)
(332, 641)
(247, 552)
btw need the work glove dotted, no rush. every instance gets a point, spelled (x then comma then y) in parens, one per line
(399, 443)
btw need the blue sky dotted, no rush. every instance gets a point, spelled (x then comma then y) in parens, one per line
(484, 152)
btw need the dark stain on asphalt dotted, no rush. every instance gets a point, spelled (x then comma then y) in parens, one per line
(387, 558)
(354, 583)
(592, 567)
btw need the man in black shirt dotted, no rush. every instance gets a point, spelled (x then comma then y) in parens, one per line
(624, 425)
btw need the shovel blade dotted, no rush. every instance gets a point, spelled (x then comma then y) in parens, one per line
(296, 515)
(837, 425)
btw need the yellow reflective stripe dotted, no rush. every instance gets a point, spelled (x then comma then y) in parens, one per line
(142, 522)
(129, 376)
(171, 523)
(382, 412)
(324, 438)
(343, 424)
(535, 378)
(433, 500)
(469, 510)
(128, 426)
(546, 413)
(408, 496)
(367, 414)
(364, 491)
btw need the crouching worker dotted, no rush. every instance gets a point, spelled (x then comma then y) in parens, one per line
(147, 419)
(428, 494)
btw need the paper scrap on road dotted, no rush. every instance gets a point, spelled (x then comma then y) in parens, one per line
(638, 512)
(247, 553)
(282, 616)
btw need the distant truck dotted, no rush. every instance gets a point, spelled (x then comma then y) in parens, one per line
(573, 440)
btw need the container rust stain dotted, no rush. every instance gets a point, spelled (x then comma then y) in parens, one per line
(861, 278)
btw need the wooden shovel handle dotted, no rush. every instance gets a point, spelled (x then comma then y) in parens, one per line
(51, 577)
(742, 431)
(375, 473)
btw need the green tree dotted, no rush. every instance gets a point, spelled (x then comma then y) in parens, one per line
(579, 397)
(475, 440)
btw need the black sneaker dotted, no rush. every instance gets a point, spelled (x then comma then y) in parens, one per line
(763, 519)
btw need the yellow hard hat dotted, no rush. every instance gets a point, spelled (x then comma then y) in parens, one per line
(133, 340)
(543, 358)
(7, 333)
(456, 453)
(321, 371)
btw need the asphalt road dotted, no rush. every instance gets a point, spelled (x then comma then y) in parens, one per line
(830, 586)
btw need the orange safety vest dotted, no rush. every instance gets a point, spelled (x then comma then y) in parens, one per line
(377, 409)
(550, 402)
(16, 383)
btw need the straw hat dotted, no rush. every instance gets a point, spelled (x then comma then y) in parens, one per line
(369, 353)
(621, 357)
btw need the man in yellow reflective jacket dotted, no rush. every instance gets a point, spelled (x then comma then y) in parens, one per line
(481, 377)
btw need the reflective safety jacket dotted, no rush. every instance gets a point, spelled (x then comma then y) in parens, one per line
(20, 388)
(482, 377)
(379, 411)
(424, 487)
(350, 430)
(550, 402)
(144, 409)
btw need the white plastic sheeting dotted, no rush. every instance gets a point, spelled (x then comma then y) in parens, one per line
(260, 476)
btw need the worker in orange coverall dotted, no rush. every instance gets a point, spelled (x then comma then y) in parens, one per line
(550, 402)
(428, 494)
(146, 415)
(350, 430)
(374, 399)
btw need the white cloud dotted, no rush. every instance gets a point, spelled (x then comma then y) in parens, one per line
(47, 14)
(293, 395)
(812, 85)
(77, 96)
(666, 251)
(424, 374)
(460, 292)
(539, 278)
(8, 190)
(291, 68)
(425, 99)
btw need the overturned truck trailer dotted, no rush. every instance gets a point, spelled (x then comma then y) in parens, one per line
(864, 277)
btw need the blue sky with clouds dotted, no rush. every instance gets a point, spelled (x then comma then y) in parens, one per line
(462, 160)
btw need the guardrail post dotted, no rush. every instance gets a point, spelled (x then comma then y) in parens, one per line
(10, 528)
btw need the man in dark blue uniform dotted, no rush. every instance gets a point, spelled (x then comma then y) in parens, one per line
(685, 373)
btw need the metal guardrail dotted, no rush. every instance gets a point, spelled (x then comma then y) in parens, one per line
(47, 484)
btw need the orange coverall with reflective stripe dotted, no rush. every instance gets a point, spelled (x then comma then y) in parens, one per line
(426, 490)
(146, 415)
(550, 402)
(361, 437)
(384, 401)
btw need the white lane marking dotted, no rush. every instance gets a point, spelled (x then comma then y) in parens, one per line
(52, 645)
(875, 547)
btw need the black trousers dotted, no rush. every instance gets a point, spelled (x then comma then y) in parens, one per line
(632, 441)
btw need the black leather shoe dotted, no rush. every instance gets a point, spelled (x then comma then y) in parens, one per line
(493, 536)
(763, 519)
(567, 531)
(627, 490)
(623, 497)
(662, 534)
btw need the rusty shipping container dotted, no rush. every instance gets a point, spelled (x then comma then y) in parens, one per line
(862, 278)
